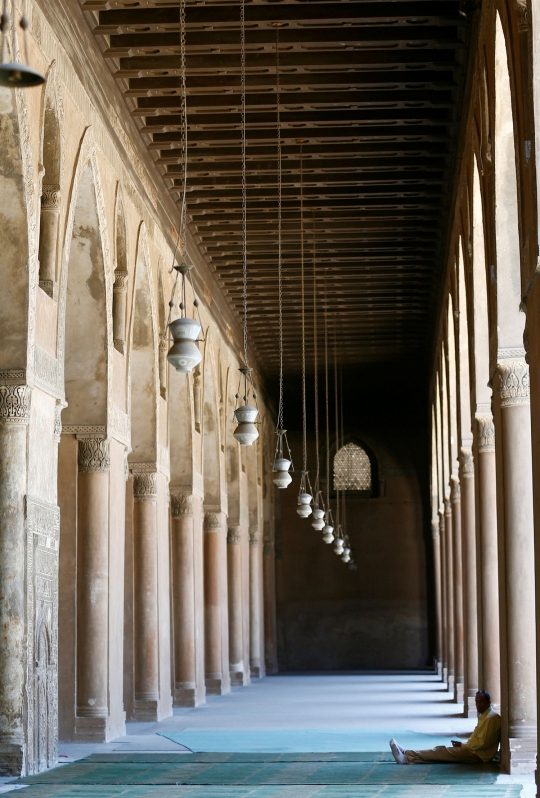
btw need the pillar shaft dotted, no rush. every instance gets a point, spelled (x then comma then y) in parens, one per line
(488, 560)
(254, 604)
(146, 616)
(269, 597)
(236, 614)
(444, 607)
(458, 591)
(449, 577)
(183, 559)
(14, 416)
(92, 589)
(517, 541)
(215, 603)
(470, 604)
(119, 308)
(436, 541)
(48, 237)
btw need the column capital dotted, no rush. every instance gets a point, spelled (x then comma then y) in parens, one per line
(467, 463)
(212, 522)
(447, 507)
(234, 537)
(435, 530)
(514, 384)
(60, 405)
(455, 495)
(181, 503)
(144, 482)
(15, 404)
(50, 197)
(254, 535)
(120, 280)
(486, 433)
(94, 456)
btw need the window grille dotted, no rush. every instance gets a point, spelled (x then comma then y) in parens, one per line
(352, 468)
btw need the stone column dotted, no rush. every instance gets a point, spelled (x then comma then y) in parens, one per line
(436, 542)
(145, 610)
(213, 595)
(119, 308)
(486, 519)
(48, 237)
(91, 723)
(269, 594)
(236, 621)
(470, 604)
(183, 557)
(517, 541)
(444, 609)
(449, 578)
(457, 591)
(254, 604)
(14, 418)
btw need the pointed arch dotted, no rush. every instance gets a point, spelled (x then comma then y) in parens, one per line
(211, 438)
(121, 275)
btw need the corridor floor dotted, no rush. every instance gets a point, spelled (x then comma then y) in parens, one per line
(356, 711)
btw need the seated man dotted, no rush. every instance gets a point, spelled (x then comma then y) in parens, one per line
(481, 747)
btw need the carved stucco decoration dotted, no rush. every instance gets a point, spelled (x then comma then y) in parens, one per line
(60, 405)
(145, 486)
(43, 538)
(486, 433)
(456, 490)
(181, 504)
(94, 455)
(514, 384)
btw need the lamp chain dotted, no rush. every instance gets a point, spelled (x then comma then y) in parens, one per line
(244, 181)
(303, 314)
(184, 142)
(280, 265)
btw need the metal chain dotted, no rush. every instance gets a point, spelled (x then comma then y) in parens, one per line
(184, 142)
(315, 353)
(244, 181)
(303, 314)
(280, 265)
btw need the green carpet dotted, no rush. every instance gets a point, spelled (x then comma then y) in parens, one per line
(340, 775)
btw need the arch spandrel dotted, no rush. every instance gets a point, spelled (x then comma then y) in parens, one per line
(211, 438)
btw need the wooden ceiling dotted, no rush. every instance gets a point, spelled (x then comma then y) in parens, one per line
(374, 89)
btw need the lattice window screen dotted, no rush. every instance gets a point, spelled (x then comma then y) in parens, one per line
(352, 468)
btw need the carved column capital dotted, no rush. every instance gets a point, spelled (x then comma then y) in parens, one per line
(211, 522)
(120, 280)
(447, 508)
(50, 197)
(94, 456)
(254, 536)
(486, 433)
(181, 504)
(514, 385)
(15, 404)
(435, 530)
(455, 495)
(144, 482)
(467, 463)
(441, 523)
(60, 405)
(233, 536)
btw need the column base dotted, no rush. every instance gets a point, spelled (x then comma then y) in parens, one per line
(237, 678)
(92, 729)
(521, 756)
(469, 706)
(146, 710)
(215, 686)
(439, 668)
(11, 759)
(185, 695)
(450, 682)
(459, 692)
(445, 674)
(255, 670)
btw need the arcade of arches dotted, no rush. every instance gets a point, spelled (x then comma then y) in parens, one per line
(146, 559)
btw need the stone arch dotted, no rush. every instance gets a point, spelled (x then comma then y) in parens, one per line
(143, 359)
(510, 324)
(163, 312)
(365, 447)
(462, 346)
(121, 274)
(480, 355)
(211, 438)
(51, 166)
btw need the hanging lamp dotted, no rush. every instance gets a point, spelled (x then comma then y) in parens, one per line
(246, 415)
(328, 528)
(282, 464)
(184, 354)
(304, 495)
(13, 74)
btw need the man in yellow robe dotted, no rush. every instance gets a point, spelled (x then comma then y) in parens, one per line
(481, 746)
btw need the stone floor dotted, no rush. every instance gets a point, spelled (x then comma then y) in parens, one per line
(368, 706)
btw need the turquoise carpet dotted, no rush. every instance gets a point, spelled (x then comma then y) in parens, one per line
(282, 775)
(302, 740)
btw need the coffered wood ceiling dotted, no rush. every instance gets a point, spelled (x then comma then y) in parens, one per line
(373, 87)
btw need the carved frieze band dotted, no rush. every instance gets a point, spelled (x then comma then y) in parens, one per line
(233, 536)
(14, 404)
(514, 387)
(486, 433)
(181, 504)
(144, 486)
(94, 456)
(211, 522)
(467, 464)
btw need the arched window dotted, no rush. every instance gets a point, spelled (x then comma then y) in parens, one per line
(352, 468)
